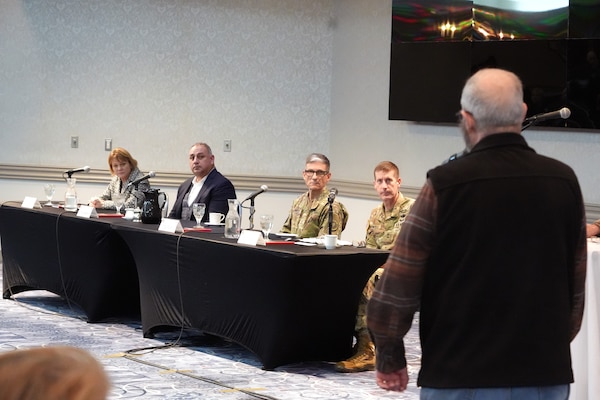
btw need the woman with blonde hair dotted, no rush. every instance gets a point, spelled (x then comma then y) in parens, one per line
(125, 170)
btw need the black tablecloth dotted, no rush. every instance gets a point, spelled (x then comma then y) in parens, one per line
(82, 260)
(286, 303)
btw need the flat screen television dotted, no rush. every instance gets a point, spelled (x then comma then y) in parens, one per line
(554, 48)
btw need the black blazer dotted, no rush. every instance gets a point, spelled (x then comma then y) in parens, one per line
(214, 193)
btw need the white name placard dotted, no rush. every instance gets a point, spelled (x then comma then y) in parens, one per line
(170, 225)
(87, 212)
(30, 202)
(251, 238)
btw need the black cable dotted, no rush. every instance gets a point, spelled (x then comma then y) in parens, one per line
(182, 327)
(132, 353)
(203, 379)
(180, 292)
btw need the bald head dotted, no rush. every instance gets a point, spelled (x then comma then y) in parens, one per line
(494, 97)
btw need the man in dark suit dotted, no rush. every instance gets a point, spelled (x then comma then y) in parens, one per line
(207, 186)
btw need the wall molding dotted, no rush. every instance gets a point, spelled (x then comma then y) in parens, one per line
(359, 190)
(352, 189)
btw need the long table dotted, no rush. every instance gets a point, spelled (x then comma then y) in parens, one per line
(585, 348)
(286, 303)
(83, 260)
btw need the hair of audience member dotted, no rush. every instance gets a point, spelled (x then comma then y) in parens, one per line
(493, 100)
(318, 157)
(206, 146)
(52, 373)
(387, 166)
(120, 154)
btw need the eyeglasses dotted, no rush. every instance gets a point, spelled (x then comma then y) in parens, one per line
(319, 173)
(459, 115)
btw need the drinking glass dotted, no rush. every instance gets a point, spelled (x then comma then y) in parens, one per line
(266, 224)
(49, 190)
(198, 209)
(118, 199)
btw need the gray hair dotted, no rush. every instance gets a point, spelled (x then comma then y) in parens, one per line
(318, 157)
(206, 146)
(494, 97)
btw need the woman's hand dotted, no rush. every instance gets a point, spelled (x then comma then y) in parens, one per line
(95, 202)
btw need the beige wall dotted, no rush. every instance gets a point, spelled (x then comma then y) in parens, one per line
(280, 78)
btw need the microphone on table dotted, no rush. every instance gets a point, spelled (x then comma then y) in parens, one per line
(563, 113)
(332, 193)
(135, 183)
(72, 171)
(263, 188)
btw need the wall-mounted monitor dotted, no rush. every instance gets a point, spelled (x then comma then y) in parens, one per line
(554, 47)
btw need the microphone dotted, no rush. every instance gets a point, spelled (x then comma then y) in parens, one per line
(135, 183)
(72, 171)
(455, 156)
(332, 193)
(563, 113)
(263, 188)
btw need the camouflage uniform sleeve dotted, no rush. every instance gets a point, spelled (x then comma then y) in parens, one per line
(370, 238)
(287, 225)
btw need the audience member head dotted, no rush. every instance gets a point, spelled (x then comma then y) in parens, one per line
(121, 158)
(492, 102)
(387, 182)
(202, 160)
(316, 172)
(52, 373)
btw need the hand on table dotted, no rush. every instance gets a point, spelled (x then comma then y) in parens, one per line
(96, 203)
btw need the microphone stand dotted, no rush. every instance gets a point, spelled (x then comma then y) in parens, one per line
(251, 216)
(330, 216)
(527, 125)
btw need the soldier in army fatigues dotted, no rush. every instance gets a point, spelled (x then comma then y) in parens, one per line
(309, 216)
(384, 225)
(382, 228)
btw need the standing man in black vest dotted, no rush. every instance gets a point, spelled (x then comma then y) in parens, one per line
(499, 297)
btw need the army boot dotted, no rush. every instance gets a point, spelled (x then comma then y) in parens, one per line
(363, 359)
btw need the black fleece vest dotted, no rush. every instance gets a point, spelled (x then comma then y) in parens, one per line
(496, 295)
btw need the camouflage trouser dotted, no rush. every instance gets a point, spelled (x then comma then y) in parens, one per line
(361, 316)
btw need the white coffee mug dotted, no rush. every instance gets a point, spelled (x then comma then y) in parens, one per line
(128, 214)
(215, 218)
(330, 241)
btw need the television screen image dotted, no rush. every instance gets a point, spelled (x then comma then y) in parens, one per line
(533, 39)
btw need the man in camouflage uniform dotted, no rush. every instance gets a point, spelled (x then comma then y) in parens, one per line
(309, 216)
(383, 227)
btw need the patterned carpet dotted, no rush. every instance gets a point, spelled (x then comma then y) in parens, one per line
(182, 365)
